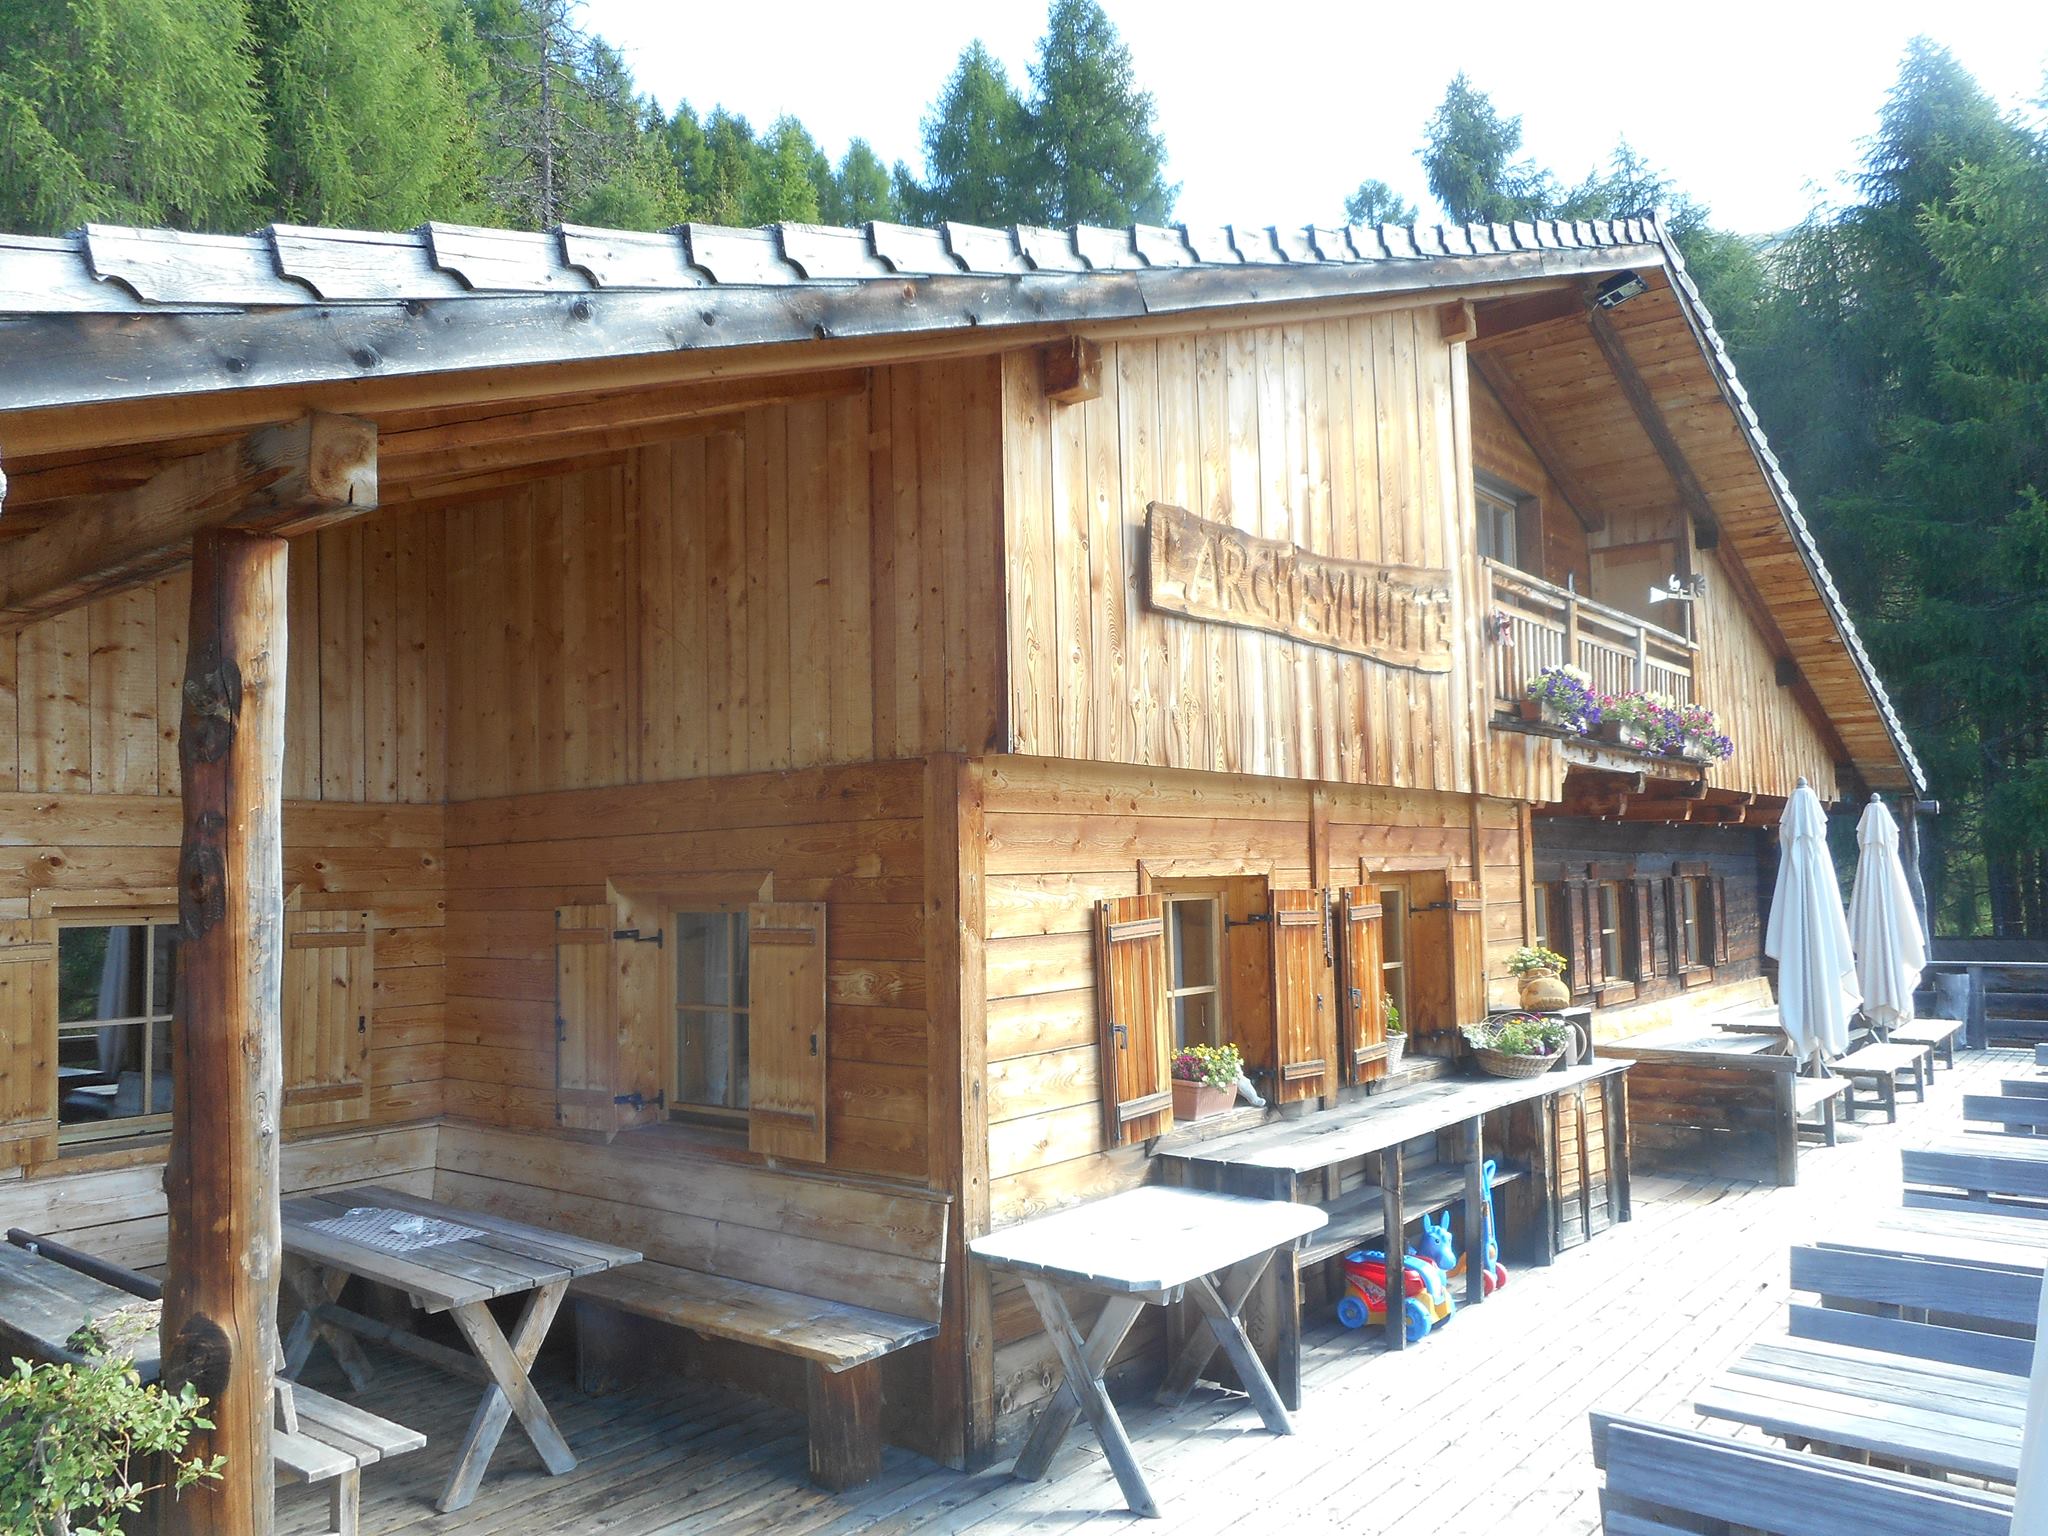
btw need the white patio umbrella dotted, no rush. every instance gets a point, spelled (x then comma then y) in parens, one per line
(1891, 948)
(1809, 936)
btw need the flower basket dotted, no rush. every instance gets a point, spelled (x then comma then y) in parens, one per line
(1198, 1101)
(1397, 1047)
(1503, 1064)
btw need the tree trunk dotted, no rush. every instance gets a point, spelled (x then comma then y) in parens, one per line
(220, 1292)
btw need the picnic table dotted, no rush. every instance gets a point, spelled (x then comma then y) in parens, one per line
(1152, 1246)
(42, 1304)
(446, 1259)
(1925, 1413)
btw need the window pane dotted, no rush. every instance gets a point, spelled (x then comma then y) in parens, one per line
(1194, 943)
(100, 973)
(164, 974)
(1194, 1020)
(704, 958)
(706, 1063)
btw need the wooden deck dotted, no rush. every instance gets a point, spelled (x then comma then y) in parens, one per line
(1489, 1416)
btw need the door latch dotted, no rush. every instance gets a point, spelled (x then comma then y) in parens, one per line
(638, 1100)
(634, 935)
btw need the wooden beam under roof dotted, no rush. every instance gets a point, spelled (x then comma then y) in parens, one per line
(1516, 407)
(284, 480)
(1651, 419)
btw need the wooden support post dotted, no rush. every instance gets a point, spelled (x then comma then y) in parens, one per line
(845, 1425)
(221, 1183)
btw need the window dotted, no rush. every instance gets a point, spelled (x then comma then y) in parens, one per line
(1695, 919)
(1498, 515)
(1394, 947)
(711, 1013)
(116, 992)
(1540, 936)
(1609, 930)
(1194, 968)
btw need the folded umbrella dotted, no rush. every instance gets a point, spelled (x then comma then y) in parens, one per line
(1884, 925)
(1809, 935)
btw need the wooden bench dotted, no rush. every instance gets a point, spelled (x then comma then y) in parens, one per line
(842, 1347)
(319, 1441)
(2021, 1114)
(1979, 1172)
(331, 1442)
(1725, 1101)
(1880, 1065)
(1938, 1035)
(1665, 1481)
(1934, 1309)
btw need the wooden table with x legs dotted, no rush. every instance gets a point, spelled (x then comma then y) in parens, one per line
(460, 1277)
(1147, 1247)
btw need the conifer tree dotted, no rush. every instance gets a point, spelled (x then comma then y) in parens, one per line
(129, 111)
(976, 151)
(1377, 203)
(1097, 156)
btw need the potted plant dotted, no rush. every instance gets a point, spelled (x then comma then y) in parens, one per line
(1205, 1080)
(1701, 735)
(1519, 1044)
(1561, 696)
(1397, 1034)
(79, 1443)
(1540, 973)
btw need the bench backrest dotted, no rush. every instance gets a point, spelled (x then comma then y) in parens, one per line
(1952, 1290)
(2014, 1112)
(1661, 1478)
(844, 1239)
(2024, 1087)
(1919, 1341)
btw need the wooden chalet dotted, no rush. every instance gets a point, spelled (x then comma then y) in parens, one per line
(782, 731)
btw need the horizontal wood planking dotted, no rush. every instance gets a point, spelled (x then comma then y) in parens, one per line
(810, 585)
(851, 837)
(118, 1213)
(1341, 436)
(89, 699)
(1059, 837)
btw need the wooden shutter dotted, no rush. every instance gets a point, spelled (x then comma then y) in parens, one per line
(643, 1057)
(1674, 927)
(1362, 949)
(1718, 887)
(1644, 919)
(28, 1041)
(1468, 951)
(1130, 964)
(1581, 940)
(1302, 1026)
(586, 1019)
(786, 1029)
(324, 1017)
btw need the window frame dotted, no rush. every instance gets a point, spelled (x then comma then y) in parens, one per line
(1695, 919)
(738, 1014)
(1394, 914)
(1605, 891)
(1214, 988)
(117, 1129)
(1497, 507)
(1541, 925)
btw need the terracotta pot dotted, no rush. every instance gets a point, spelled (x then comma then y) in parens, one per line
(1530, 709)
(1545, 992)
(1198, 1101)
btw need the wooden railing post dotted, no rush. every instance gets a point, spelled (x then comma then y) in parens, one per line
(1642, 657)
(220, 1289)
(1571, 630)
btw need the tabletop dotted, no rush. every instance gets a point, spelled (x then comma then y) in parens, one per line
(2018, 1244)
(1148, 1239)
(1380, 1121)
(474, 1257)
(42, 1304)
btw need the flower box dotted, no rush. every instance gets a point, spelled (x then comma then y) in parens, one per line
(1198, 1101)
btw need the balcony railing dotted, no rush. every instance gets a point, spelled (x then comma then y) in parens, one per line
(1538, 625)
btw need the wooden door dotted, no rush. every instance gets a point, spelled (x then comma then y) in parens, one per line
(1302, 1024)
(786, 1029)
(1361, 953)
(325, 1015)
(586, 1019)
(28, 1041)
(1133, 1029)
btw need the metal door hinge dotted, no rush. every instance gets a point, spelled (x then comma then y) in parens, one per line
(1245, 922)
(639, 1100)
(637, 937)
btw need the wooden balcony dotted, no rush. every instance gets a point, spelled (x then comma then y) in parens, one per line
(1548, 626)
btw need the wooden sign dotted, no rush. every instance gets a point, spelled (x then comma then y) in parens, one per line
(1397, 614)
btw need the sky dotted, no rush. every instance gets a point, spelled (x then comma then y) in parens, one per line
(1274, 110)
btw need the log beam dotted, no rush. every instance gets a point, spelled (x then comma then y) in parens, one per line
(1073, 370)
(282, 480)
(1516, 407)
(1651, 419)
(221, 1182)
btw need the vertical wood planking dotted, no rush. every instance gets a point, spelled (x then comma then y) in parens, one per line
(56, 704)
(850, 640)
(123, 692)
(1033, 652)
(341, 662)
